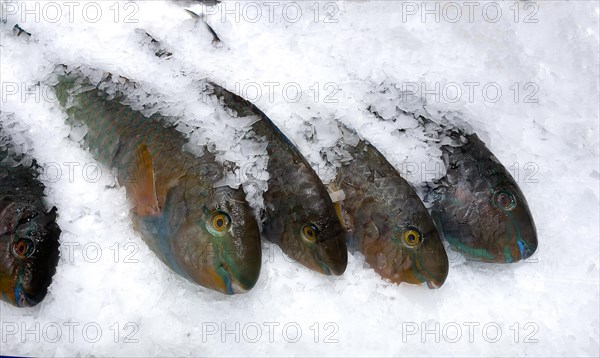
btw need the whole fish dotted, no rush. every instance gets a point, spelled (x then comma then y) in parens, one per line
(386, 220)
(299, 214)
(206, 234)
(479, 207)
(28, 232)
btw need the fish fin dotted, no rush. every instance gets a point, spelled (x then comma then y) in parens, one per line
(192, 14)
(338, 210)
(143, 189)
(344, 216)
(197, 17)
(162, 190)
(338, 195)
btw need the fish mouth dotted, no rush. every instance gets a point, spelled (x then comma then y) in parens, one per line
(435, 283)
(432, 285)
(336, 269)
(23, 299)
(526, 239)
(231, 285)
(526, 249)
(233, 281)
(417, 276)
(431, 266)
(332, 259)
(236, 288)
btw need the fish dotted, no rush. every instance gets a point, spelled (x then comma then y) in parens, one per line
(479, 207)
(29, 234)
(299, 214)
(385, 219)
(205, 233)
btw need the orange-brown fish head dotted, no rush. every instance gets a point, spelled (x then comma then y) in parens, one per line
(219, 244)
(402, 245)
(29, 252)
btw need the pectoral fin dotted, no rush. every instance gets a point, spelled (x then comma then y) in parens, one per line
(142, 190)
(338, 196)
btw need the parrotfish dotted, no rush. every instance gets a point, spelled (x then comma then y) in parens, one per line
(299, 216)
(29, 235)
(478, 206)
(204, 233)
(385, 218)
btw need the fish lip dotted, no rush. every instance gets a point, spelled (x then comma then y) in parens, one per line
(331, 254)
(435, 284)
(236, 288)
(432, 286)
(233, 285)
(333, 270)
(29, 301)
(528, 247)
(434, 267)
(330, 266)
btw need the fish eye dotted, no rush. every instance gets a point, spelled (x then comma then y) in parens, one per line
(505, 200)
(309, 233)
(219, 223)
(23, 248)
(412, 237)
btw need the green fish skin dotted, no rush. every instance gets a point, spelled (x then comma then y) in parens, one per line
(386, 220)
(29, 235)
(299, 214)
(479, 207)
(205, 234)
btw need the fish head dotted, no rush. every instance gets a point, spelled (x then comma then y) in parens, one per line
(313, 234)
(491, 220)
(402, 244)
(29, 249)
(218, 243)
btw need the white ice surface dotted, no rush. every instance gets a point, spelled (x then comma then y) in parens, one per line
(546, 306)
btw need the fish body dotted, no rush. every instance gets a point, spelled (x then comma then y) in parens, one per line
(478, 206)
(386, 220)
(300, 216)
(204, 233)
(29, 235)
